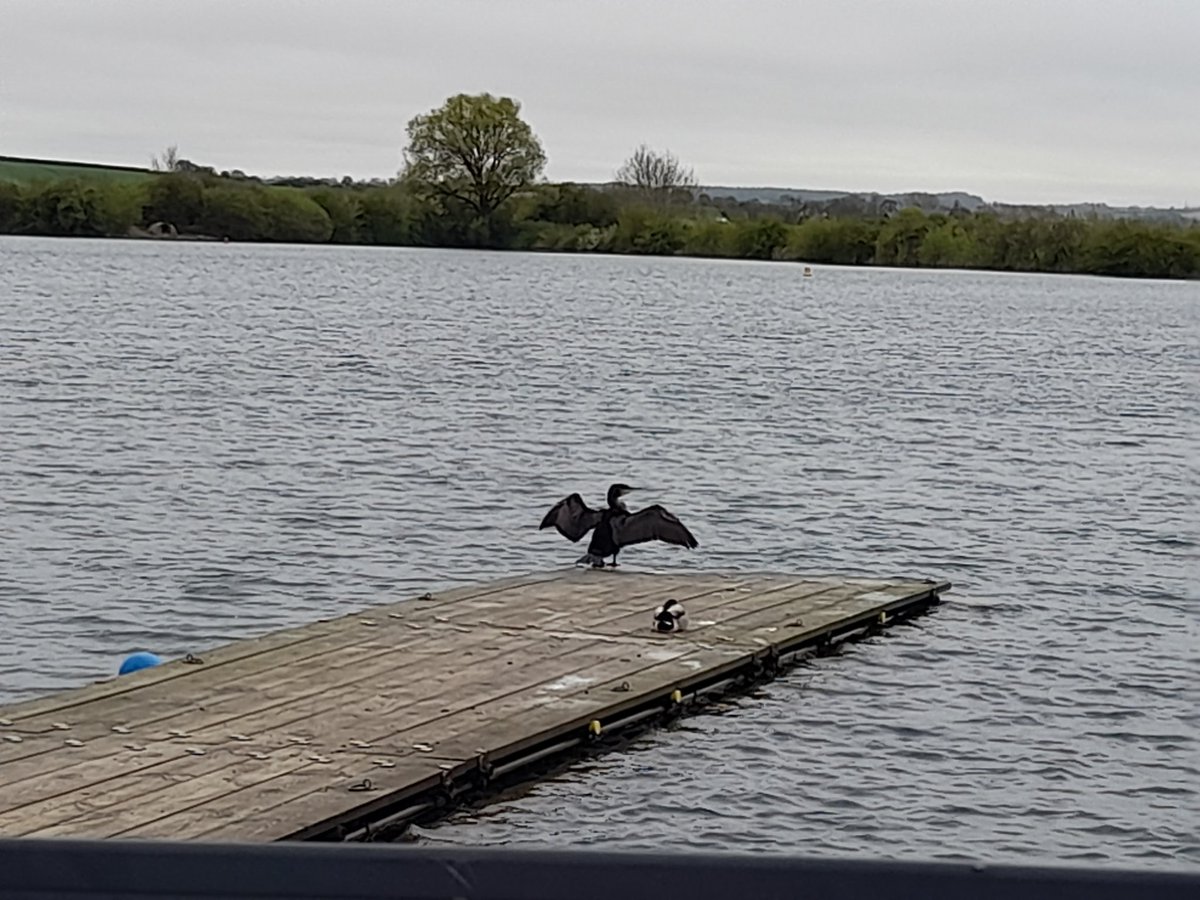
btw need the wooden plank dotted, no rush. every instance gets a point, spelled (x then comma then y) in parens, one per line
(120, 815)
(159, 702)
(209, 777)
(509, 727)
(327, 781)
(430, 709)
(551, 649)
(711, 609)
(487, 724)
(308, 793)
(766, 627)
(201, 738)
(205, 728)
(637, 608)
(517, 702)
(49, 786)
(501, 723)
(594, 594)
(407, 704)
(266, 731)
(491, 667)
(521, 720)
(236, 650)
(164, 706)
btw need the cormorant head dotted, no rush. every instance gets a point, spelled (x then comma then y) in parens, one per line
(616, 491)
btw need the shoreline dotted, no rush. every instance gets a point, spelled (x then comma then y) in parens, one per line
(814, 265)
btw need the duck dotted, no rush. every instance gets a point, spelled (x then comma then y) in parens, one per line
(671, 616)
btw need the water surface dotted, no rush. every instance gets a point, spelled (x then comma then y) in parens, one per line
(204, 442)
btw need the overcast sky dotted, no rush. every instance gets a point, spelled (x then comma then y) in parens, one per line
(1015, 100)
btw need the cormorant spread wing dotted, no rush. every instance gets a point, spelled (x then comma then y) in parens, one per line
(654, 523)
(572, 517)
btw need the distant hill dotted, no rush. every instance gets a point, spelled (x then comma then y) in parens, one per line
(26, 171)
(784, 195)
(1177, 215)
(944, 201)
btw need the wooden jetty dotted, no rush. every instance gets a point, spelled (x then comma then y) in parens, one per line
(331, 730)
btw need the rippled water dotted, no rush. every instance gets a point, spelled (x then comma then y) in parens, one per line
(205, 442)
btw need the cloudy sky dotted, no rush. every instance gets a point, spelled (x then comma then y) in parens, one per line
(1016, 100)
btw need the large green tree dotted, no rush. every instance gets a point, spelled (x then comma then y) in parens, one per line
(472, 154)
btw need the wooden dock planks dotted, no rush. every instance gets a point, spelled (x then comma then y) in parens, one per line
(293, 733)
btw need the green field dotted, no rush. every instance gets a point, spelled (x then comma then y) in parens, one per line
(27, 171)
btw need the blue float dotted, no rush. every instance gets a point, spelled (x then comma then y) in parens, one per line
(140, 660)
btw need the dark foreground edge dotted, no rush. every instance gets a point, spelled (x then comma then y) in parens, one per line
(38, 869)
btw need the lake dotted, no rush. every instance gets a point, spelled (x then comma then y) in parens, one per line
(204, 442)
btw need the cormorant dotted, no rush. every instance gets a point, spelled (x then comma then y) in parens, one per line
(615, 526)
(671, 616)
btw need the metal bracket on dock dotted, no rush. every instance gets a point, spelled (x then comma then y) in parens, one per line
(770, 662)
(484, 767)
(763, 666)
(823, 645)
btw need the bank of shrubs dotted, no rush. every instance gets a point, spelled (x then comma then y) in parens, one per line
(83, 208)
(567, 217)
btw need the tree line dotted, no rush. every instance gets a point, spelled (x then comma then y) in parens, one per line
(472, 178)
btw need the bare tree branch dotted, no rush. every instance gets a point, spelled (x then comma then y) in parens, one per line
(168, 162)
(650, 170)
